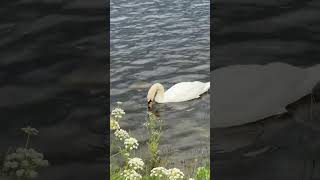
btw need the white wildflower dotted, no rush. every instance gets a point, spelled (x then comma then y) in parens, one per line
(20, 150)
(14, 164)
(14, 155)
(37, 161)
(119, 103)
(131, 175)
(20, 156)
(146, 124)
(136, 163)
(175, 174)
(159, 172)
(30, 131)
(24, 163)
(11, 164)
(32, 174)
(121, 134)
(117, 113)
(35, 154)
(7, 164)
(131, 143)
(191, 179)
(114, 125)
(9, 157)
(20, 172)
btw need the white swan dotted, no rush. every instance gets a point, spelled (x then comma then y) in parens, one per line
(248, 93)
(180, 92)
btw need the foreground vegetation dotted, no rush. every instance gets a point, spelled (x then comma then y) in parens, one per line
(24, 162)
(126, 166)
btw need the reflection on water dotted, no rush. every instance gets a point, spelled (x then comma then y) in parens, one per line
(266, 121)
(248, 93)
(166, 42)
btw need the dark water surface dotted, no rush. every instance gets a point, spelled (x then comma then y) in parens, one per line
(280, 147)
(53, 77)
(167, 42)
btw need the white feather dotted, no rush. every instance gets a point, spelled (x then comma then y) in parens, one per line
(184, 91)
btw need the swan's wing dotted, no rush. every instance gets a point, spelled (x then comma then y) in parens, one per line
(185, 91)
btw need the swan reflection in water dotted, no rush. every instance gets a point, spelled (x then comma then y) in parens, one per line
(249, 93)
(260, 108)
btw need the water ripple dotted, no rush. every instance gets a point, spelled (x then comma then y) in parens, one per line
(168, 42)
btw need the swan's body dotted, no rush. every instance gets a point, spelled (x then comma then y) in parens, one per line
(248, 93)
(180, 92)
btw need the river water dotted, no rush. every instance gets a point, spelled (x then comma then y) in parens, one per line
(53, 78)
(167, 42)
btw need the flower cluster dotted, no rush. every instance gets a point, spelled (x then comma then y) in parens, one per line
(172, 174)
(30, 131)
(119, 103)
(134, 166)
(136, 163)
(117, 113)
(131, 143)
(114, 125)
(175, 174)
(159, 172)
(121, 134)
(131, 174)
(24, 163)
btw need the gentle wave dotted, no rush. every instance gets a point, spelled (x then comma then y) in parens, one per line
(167, 42)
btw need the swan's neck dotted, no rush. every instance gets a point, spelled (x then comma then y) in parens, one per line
(159, 96)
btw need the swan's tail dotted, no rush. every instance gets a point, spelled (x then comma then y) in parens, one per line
(314, 76)
(207, 86)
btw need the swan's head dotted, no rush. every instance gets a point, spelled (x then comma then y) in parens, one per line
(151, 95)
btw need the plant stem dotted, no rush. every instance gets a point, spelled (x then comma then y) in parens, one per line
(115, 154)
(27, 143)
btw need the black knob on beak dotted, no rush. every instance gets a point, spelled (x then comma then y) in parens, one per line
(150, 105)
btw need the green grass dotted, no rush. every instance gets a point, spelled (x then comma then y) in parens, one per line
(154, 126)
